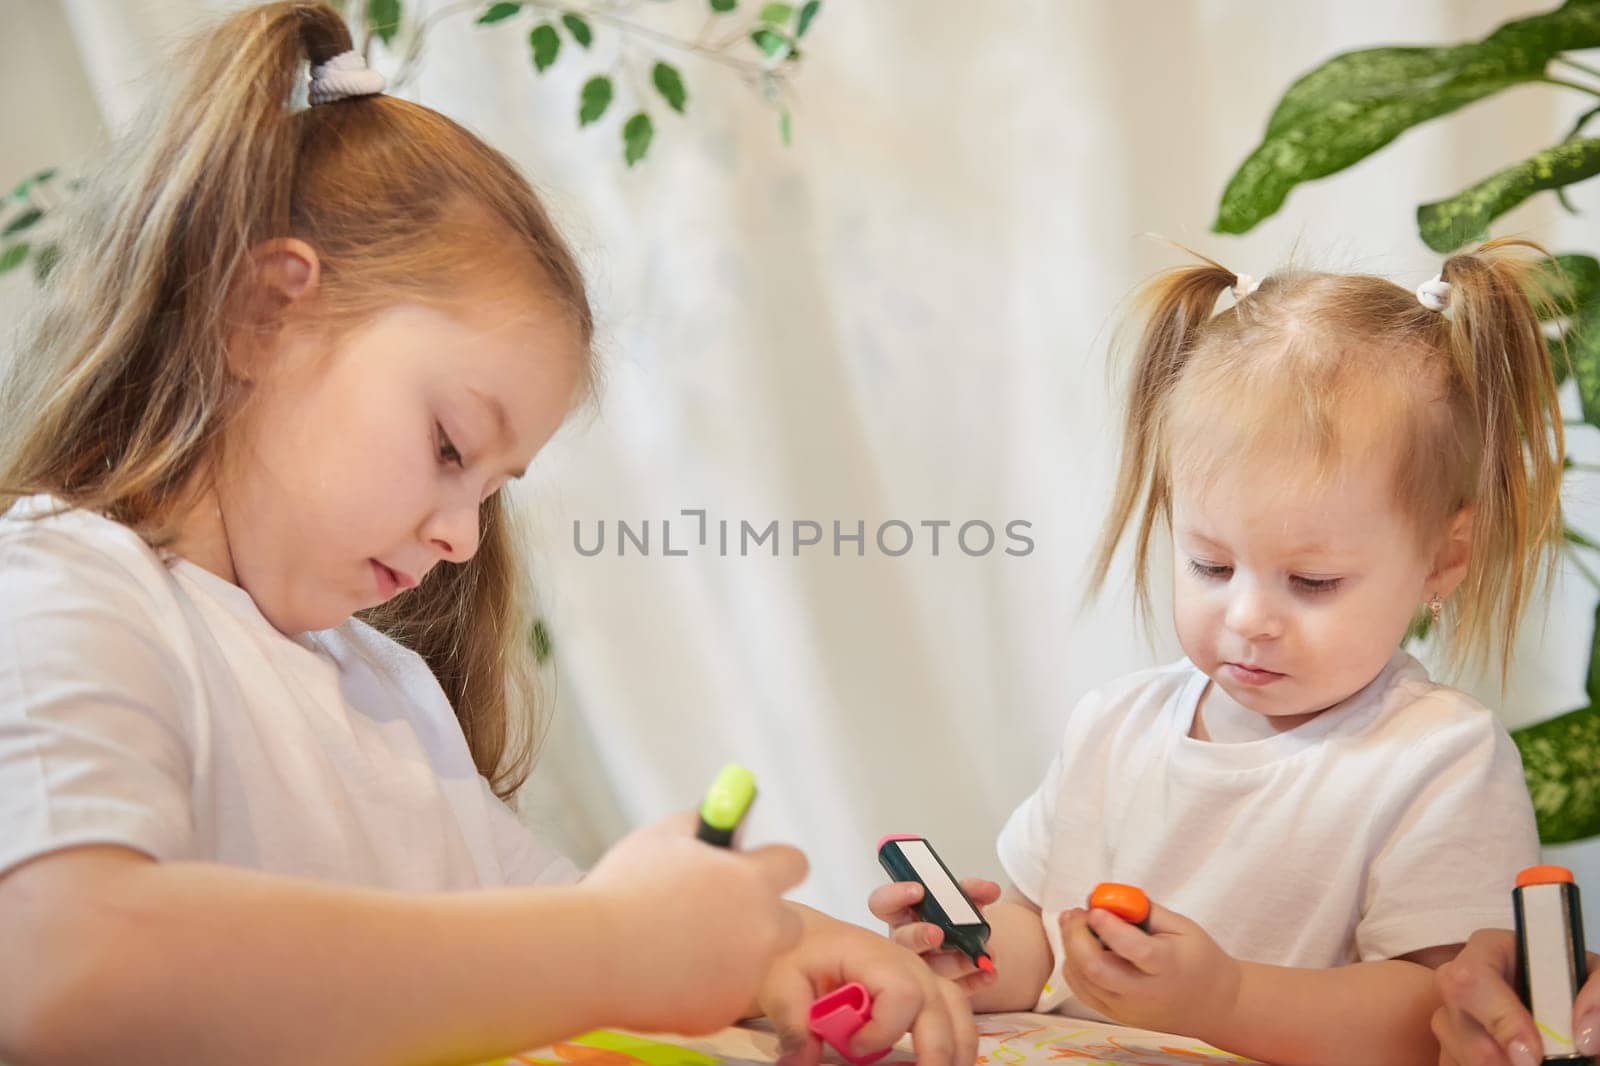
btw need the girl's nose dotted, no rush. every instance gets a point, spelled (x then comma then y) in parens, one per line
(452, 530)
(1251, 613)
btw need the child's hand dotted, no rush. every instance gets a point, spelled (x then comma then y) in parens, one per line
(906, 996)
(892, 904)
(1175, 978)
(697, 927)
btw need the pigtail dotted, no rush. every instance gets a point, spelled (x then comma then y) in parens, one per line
(1500, 352)
(1179, 304)
(113, 401)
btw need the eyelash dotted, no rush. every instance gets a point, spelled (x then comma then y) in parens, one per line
(1309, 585)
(447, 450)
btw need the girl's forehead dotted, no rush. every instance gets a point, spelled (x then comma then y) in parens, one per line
(1293, 503)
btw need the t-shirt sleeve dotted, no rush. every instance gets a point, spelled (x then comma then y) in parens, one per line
(1450, 852)
(524, 860)
(92, 745)
(1024, 844)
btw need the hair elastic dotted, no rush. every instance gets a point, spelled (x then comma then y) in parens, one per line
(1244, 285)
(344, 76)
(1434, 294)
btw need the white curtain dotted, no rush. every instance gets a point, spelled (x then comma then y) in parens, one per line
(903, 317)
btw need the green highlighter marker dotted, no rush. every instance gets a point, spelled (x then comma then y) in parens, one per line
(726, 803)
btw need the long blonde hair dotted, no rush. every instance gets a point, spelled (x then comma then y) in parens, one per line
(1468, 395)
(121, 389)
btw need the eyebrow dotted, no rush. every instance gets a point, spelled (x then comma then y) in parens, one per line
(502, 423)
(1314, 548)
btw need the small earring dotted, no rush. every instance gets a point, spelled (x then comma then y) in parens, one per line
(1435, 608)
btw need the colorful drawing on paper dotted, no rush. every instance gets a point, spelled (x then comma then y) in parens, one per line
(1026, 1039)
(1003, 1040)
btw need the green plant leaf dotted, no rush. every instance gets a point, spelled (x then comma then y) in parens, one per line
(546, 45)
(578, 26)
(594, 99)
(1561, 761)
(26, 220)
(785, 129)
(773, 45)
(44, 261)
(541, 642)
(1446, 225)
(777, 14)
(383, 18)
(669, 83)
(500, 11)
(1357, 102)
(13, 256)
(636, 137)
(26, 186)
(722, 7)
(1579, 348)
(807, 12)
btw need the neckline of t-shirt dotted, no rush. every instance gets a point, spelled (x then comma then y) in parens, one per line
(1206, 756)
(242, 605)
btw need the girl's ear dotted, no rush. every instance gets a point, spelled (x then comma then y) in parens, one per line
(1453, 554)
(284, 275)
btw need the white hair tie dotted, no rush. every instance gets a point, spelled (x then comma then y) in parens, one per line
(1244, 285)
(1434, 294)
(344, 76)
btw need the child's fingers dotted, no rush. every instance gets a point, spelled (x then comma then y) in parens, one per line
(1103, 968)
(1162, 920)
(787, 1002)
(921, 937)
(982, 892)
(1586, 1011)
(962, 1024)
(892, 903)
(783, 866)
(1479, 998)
(976, 980)
(1128, 941)
(1462, 1042)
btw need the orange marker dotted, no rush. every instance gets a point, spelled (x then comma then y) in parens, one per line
(1125, 901)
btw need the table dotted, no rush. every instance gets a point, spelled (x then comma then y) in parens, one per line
(1004, 1040)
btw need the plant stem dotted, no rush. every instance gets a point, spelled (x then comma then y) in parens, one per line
(1583, 120)
(1575, 65)
(1572, 557)
(744, 66)
(1582, 88)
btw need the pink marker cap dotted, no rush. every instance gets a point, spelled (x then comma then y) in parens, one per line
(897, 836)
(836, 1017)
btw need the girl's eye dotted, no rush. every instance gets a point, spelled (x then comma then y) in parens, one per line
(1316, 585)
(1208, 571)
(447, 451)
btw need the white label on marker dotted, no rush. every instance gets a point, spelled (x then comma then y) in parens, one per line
(944, 890)
(1550, 991)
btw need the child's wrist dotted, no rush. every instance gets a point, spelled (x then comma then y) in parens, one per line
(1225, 1006)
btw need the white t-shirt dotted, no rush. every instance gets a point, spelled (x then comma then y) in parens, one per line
(149, 703)
(1395, 821)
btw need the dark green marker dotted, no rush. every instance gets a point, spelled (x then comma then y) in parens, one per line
(726, 803)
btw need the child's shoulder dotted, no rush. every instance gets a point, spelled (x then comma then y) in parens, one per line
(1150, 689)
(1424, 715)
(48, 547)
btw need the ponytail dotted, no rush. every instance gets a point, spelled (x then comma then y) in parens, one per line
(1502, 358)
(1180, 302)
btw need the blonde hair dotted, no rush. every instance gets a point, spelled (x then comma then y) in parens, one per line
(120, 393)
(1466, 400)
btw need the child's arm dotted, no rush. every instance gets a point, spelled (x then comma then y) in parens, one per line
(112, 957)
(1177, 979)
(1016, 942)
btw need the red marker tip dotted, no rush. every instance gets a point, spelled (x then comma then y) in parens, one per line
(986, 964)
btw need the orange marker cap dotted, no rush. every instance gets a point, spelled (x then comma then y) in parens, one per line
(1127, 902)
(1544, 875)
